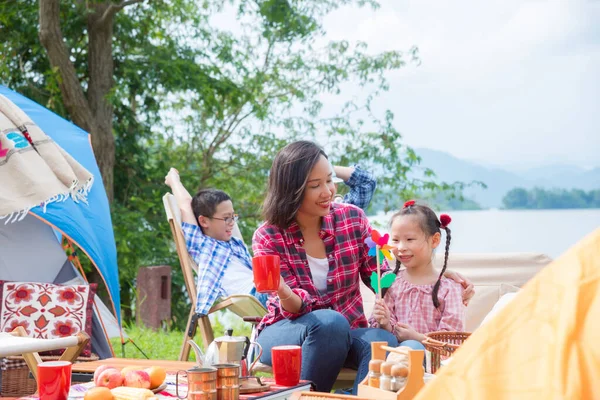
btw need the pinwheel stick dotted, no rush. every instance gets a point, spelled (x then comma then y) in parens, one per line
(378, 273)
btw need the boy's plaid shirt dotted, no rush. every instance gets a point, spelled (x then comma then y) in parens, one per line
(362, 186)
(211, 256)
(343, 231)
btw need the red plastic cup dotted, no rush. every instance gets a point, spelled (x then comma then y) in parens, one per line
(266, 273)
(54, 380)
(287, 364)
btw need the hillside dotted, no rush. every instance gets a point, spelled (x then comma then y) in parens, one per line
(499, 181)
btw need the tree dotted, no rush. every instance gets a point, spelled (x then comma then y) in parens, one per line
(172, 88)
(539, 198)
(92, 110)
(516, 198)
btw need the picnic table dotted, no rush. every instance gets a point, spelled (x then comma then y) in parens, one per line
(83, 374)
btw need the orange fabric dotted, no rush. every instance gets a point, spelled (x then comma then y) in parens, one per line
(542, 345)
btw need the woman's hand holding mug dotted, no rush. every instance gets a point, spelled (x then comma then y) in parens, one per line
(266, 273)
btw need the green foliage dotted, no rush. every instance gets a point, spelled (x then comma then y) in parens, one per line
(217, 105)
(539, 198)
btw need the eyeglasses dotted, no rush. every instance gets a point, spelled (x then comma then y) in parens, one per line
(228, 220)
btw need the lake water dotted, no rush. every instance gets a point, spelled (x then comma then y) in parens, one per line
(550, 232)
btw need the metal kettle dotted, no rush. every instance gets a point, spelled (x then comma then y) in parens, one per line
(226, 350)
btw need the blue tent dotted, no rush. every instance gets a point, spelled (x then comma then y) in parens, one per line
(89, 226)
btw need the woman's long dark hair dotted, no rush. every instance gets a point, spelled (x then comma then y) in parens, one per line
(430, 224)
(287, 181)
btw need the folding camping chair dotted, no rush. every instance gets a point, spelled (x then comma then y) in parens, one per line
(18, 343)
(245, 306)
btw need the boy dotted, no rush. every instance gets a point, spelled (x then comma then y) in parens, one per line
(208, 223)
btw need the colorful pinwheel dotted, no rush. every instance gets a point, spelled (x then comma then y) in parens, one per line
(378, 247)
(379, 243)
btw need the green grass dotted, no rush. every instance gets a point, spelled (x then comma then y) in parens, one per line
(158, 345)
(164, 344)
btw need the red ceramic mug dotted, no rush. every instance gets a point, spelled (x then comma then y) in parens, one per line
(287, 364)
(54, 380)
(266, 273)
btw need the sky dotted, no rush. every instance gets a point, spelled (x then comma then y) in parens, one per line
(510, 83)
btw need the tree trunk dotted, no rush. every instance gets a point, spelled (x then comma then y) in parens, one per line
(101, 66)
(94, 113)
(58, 54)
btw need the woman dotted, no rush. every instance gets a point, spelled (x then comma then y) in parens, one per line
(321, 245)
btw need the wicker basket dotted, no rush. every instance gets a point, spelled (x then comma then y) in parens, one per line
(16, 379)
(442, 345)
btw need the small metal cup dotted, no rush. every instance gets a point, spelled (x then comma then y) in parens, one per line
(228, 381)
(202, 383)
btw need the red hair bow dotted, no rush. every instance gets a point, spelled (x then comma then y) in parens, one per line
(409, 203)
(445, 220)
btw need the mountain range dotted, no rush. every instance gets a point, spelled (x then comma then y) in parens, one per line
(499, 181)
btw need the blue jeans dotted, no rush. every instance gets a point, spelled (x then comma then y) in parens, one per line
(328, 344)
(413, 344)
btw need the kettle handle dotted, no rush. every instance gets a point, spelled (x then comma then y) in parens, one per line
(260, 351)
(246, 347)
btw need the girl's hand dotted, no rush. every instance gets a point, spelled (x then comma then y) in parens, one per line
(469, 290)
(381, 313)
(406, 332)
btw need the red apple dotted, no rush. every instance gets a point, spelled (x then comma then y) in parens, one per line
(99, 370)
(139, 379)
(110, 378)
(125, 370)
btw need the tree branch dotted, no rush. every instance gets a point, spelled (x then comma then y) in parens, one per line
(114, 8)
(52, 39)
(268, 55)
(224, 133)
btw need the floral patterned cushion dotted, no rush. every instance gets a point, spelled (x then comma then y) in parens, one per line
(47, 310)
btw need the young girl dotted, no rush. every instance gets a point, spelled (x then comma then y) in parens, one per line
(421, 299)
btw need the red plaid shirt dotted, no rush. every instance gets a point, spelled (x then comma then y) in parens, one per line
(343, 231)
